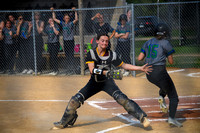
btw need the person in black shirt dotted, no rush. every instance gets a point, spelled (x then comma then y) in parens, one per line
(99, 62)
(101, 27)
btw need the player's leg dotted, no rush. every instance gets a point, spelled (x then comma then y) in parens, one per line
(168, 85)
(70, 114)
(161, 78)
(129, 105)
(158, 74)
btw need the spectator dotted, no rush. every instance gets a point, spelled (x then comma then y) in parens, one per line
(101, 27)
(2, 64)
(128, 14)
(12, 19)
(68, 36)
(123, 40)
(39, 27)
(52, 31)
(22, 46)
(8, 34)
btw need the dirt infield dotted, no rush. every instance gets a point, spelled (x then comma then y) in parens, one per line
(30, 104)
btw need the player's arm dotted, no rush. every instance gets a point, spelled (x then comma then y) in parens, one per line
(125, 36)
(141, 56)
(1, 34)
(113, 33)
(118, 35)
(54, 16)
(76, 16)
(143, 68)
(96, 71)
(170, 59)
(96, 16)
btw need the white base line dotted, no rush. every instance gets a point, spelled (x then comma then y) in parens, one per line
(133, 122)
(95, 103)
(34, 100)
(91, 102)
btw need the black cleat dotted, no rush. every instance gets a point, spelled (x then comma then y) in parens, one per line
(61, 124)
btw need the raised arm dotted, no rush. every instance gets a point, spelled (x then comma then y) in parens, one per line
(96, 16)
(54, 16)
(76, 16)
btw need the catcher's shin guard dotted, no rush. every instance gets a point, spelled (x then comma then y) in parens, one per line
(70, 114)
(131, 107)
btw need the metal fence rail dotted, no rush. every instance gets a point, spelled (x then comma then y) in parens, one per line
(38, 44)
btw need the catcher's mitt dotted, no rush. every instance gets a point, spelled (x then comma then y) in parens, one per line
(115, 74)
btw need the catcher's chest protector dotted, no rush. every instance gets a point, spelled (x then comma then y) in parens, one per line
(103, 62)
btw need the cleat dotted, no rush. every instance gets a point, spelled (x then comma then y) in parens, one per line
(174, 122)
(163, 106)
(58, 125)
(145, 122)
(61, 124)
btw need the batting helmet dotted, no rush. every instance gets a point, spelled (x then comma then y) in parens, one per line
(122, 17)
(161, 29)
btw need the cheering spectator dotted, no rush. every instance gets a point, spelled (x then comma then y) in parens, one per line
(68, 36)
(52, 31)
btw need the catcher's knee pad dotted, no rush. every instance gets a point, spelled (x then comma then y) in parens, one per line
(75, 103)
(121, 98)
(129, 105)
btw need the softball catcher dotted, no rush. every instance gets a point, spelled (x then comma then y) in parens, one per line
(99, 62)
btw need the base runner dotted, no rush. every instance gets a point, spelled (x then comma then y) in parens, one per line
(156, 50)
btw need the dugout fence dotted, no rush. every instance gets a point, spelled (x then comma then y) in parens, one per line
(31, 49)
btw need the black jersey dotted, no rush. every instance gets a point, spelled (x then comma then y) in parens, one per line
(104, 62)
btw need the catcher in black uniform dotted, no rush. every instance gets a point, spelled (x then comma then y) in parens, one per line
(99, 62)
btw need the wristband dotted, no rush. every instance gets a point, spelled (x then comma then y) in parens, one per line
(97, 71)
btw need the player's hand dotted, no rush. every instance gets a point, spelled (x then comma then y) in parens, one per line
(73, 8)
(146, 68)
(51, 8)
(98, 15)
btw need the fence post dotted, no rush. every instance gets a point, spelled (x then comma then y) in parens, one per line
(34, 47)
(133, 35)
(82, 60)
(198, 34)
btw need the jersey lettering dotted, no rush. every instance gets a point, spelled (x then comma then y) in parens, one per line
(152, 52)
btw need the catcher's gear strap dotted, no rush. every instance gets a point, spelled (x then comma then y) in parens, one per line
(94, 57)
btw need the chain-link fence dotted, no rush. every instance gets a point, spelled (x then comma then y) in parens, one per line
(46, 42)
(183, 20)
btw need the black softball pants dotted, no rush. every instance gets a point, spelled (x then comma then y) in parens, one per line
(161, 78)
